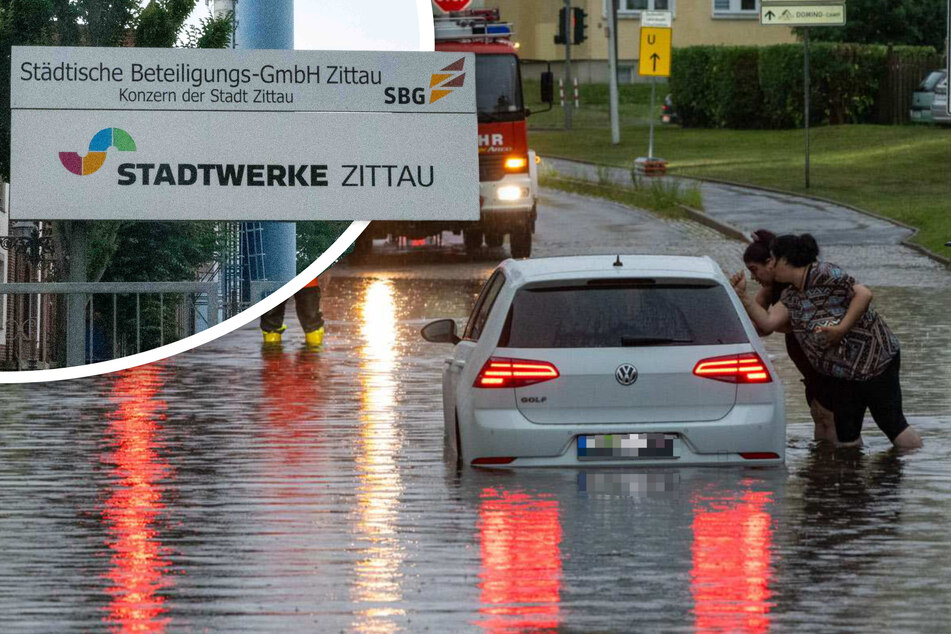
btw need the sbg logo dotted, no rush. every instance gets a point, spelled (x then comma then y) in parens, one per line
(441, 84)
(96, 156)
(403, 95)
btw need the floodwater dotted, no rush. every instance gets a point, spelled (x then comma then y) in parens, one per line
(234, 489)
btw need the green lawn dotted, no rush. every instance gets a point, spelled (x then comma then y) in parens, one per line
(902, 172)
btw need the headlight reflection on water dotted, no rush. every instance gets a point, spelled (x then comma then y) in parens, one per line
(378, 575)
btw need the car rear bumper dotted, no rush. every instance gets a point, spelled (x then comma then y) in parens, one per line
(748, 428)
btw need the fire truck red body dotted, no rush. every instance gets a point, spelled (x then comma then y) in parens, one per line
(508, 184)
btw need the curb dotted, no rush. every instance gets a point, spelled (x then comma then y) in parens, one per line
(692, 214)
(732, 231)
(726, 229)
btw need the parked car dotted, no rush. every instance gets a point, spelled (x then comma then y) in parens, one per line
(939, 107)
(923, 97)
(609, 361)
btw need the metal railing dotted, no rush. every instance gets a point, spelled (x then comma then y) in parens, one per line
(200, 319)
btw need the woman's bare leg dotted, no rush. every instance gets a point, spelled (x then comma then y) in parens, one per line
(825, 422)
(908, 439)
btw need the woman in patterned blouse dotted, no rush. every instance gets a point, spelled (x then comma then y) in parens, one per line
(761, 265)
(843, 339)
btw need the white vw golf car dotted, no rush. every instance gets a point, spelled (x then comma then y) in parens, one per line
(609, 361)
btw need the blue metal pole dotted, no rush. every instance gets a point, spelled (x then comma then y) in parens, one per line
(269, 24)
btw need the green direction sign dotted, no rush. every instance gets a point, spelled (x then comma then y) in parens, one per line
(803, 14)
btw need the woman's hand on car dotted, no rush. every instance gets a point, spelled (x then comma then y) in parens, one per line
(738, 281)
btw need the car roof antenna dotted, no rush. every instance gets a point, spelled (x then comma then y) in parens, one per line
(618, 262)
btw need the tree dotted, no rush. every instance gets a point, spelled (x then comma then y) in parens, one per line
(126, 251)
(115, 23)
(911, 22)
(313, 238)
(118, 251)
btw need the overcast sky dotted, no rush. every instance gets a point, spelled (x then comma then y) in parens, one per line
(350, 24)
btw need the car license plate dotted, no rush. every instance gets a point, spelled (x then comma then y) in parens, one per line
(628, 446)
(915, 114)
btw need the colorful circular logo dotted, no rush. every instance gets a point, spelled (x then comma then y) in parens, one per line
(101, 142)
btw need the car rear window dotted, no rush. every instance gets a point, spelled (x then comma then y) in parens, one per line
(931, 81)
(608, 315)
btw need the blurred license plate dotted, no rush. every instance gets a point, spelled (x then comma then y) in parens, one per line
(627, 446)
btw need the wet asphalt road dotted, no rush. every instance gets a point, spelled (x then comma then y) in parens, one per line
(235, 489)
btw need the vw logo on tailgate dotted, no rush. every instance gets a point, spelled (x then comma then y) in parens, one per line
(626, 374)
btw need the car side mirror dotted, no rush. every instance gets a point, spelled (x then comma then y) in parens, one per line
(441, 331)
(548, 87)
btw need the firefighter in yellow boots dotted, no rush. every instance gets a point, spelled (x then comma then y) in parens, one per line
(307, 301)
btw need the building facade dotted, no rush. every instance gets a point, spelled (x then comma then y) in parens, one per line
(695, 22)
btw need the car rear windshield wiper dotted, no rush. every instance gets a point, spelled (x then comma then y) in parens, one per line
(627, 341)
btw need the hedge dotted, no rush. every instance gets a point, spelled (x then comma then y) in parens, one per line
(761, 87)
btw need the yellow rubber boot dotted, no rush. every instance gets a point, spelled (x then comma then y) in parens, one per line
(315, 338)
(273, 338)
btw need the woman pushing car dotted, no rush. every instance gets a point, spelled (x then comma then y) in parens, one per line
(761, 265)
(845, 341)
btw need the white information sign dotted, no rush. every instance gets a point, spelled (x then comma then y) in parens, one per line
(159, 134)
(803, 14)
(660, 19)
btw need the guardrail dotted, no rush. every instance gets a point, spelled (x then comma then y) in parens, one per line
(91, 289)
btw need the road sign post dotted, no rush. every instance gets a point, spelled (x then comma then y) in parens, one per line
(655, 54)
(809, 13)
(806, 88)
(612, 71)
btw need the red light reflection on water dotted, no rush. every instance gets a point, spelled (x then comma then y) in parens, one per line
(520, 536)
(138, 568)
(732, 548)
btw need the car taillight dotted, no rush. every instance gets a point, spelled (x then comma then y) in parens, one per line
(486, 461)
(734, 368)
(508, 373)
(759, 455)
(516, 163)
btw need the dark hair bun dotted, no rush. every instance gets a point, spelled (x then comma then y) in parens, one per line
(808, 246)
(797, 250)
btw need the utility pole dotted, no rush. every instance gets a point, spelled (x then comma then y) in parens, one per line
(568, 37)
(612, 71)
(269, 24)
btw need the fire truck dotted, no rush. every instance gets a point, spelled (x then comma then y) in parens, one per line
(508, 180)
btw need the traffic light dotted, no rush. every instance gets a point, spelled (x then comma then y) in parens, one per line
(578, 16)
(561, 37)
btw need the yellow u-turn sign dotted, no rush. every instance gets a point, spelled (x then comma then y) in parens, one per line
(655, 52)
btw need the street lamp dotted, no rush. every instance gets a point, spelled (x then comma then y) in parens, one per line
(35, 247)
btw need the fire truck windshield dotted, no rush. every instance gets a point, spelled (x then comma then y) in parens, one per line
(498, 88)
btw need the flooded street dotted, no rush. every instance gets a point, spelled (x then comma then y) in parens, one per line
(234, 489)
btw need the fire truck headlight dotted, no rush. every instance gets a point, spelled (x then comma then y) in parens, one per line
(512, 193)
